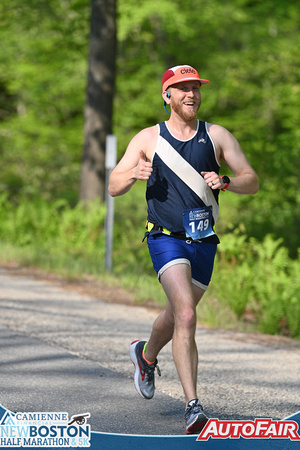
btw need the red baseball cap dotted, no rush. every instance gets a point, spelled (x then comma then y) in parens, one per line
(178, 74)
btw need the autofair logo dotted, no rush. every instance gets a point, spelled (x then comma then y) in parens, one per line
(258, 429)
(44, 429)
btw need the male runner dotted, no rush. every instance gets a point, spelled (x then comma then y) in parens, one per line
(180, 160)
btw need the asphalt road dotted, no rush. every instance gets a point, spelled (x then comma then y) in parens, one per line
(65, 351)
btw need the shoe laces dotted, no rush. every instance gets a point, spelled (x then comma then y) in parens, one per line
(194, 406)
(150, 370)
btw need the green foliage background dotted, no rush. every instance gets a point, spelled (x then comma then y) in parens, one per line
(248, 49)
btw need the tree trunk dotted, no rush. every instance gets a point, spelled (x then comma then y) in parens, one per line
(100, 90)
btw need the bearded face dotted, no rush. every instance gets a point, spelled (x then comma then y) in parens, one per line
(186, 99)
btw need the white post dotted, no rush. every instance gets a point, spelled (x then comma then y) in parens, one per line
(110, 162)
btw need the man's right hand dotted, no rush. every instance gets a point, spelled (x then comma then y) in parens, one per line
(143, 169)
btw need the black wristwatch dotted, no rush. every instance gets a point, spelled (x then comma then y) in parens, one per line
(226, 181)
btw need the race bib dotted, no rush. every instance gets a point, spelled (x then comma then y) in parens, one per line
(198, 222)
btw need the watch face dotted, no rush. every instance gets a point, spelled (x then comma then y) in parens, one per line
(226, 179)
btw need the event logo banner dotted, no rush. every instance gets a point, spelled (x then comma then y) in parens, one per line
(36, 430)
(44, 429)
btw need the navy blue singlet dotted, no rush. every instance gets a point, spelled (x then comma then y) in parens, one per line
(173, 185)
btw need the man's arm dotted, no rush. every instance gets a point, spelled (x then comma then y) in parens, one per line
(245, 180)
(135, 164)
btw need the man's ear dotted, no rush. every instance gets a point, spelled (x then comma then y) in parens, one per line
(166, 96)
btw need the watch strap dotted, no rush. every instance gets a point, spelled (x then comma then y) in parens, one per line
(225, 184)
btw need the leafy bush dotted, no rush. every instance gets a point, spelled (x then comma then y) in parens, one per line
(53, 228)
(259, 277)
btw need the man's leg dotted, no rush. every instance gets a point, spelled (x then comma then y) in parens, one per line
(183, 297)
(162, 332)
(144, 359)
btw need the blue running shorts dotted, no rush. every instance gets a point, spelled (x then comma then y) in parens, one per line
(166, 251)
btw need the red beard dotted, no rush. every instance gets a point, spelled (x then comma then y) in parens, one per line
(186, 114)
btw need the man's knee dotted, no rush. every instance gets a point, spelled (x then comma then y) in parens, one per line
(186, 318)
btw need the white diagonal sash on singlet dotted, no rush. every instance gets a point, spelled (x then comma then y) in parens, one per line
(187, 174)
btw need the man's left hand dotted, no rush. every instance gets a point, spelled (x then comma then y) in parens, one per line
(213, 180)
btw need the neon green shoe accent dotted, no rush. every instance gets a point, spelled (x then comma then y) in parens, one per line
(145, 347)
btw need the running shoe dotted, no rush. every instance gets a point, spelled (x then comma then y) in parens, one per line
(194, 417)
(144, 373)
